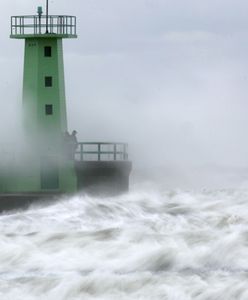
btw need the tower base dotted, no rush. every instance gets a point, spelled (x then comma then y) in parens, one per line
(14, 201)
(99, 178)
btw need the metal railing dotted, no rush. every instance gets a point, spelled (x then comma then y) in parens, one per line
(35, 25)
(101, 152)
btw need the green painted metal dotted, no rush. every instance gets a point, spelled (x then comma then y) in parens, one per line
(44, 167)
(36, 95)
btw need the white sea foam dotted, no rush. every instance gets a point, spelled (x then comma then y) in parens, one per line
(148, 244)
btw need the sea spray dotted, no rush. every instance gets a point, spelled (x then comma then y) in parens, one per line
(147, 244)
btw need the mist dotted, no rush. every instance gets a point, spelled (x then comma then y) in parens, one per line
(168, 77)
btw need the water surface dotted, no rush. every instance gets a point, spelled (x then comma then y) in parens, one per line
(147, 244)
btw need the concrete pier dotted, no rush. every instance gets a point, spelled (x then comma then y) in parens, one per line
(103, 177)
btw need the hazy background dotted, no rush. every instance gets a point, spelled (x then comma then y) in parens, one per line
(168, 76)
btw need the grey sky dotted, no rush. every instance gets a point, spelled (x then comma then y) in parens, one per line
(171, 73)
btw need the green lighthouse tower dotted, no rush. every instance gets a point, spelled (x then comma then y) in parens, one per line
(44, 105)
(50, 162)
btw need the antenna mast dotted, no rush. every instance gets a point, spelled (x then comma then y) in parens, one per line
(46, 16)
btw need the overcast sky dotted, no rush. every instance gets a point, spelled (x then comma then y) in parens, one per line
(171, 73)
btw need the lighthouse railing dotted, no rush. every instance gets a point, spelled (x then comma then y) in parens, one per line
(35, 25)
(95, 151)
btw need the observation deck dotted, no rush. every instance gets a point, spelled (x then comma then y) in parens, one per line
(40, 26)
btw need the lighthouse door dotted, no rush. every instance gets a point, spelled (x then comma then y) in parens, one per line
(49, 175)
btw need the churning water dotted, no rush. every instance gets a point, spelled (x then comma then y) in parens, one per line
(149, 244)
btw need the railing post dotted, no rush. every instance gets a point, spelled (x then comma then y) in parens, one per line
(99, 151)
(115, 151)
(62, 25)
(15, 26)
(51, 24)
(35, 25)
(125, 155)
(81, 151)
(39, 24)
(59, 25)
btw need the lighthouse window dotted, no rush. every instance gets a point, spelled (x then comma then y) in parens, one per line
(48, 81)
(47, 51)
(49, 109)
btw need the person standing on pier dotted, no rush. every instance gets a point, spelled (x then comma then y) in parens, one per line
(73, 141)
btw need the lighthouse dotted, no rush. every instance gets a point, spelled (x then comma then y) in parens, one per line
(43, 100)
(46, 169)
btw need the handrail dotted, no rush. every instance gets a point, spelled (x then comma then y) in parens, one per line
(35, 25)
(102, 151)
(32, 16)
